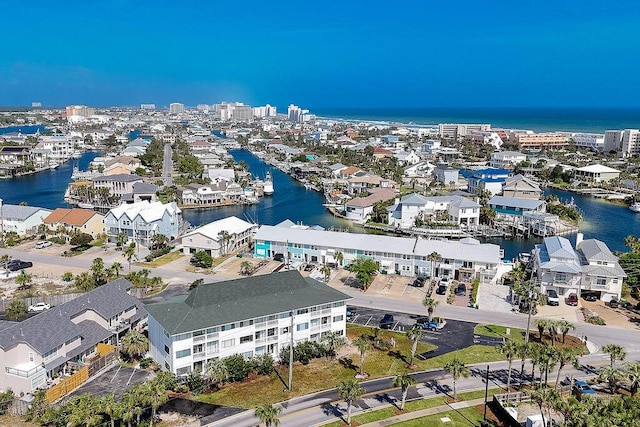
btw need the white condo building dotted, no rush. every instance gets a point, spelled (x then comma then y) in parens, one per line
(176, 108)
(250, 316)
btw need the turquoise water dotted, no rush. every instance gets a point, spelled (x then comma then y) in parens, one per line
(537, 119)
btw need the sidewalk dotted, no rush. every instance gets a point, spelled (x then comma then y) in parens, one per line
(424, 412)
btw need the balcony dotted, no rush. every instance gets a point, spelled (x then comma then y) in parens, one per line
(24, 374)
(198, 356)
(199, 338)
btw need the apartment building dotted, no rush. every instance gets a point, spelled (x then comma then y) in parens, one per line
(624, 142)
(591, 268)
(466, 259)
(589, 141)
(34, 350)
(176, 108)
(459, 130)
(209, 237)
(249, 316)
(539, 141)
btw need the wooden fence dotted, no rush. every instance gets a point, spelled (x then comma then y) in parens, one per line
(67, 385)
(51, 299)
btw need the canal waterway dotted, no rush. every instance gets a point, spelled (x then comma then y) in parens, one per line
(602, 220)
(44, 189)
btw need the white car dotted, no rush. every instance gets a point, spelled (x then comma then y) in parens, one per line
(44, 244)
(41, 306)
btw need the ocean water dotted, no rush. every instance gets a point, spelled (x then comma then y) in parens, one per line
(537, 119)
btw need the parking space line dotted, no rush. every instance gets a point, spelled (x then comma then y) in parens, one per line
(367, 322)
(116, 374)
(134, 371)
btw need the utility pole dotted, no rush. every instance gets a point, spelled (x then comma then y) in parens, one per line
(486, 394)
(530, 295)
(291, 355)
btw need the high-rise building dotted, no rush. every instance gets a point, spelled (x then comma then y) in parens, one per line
(147, 107)
(624, 142)
(243, 113)
(78, 113)
(36, 104)
(294, 113)
(176, 108)
(460, 130)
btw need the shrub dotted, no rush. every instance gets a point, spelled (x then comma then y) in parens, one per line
(146, 362)
(263, 364)
(167, 379)
(81, 239)
(237, 367)
(157, 254)
(474, 292)
(195, 382)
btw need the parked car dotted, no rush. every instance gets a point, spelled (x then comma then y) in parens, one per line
(387, 321)
(590, 297)
(442, 289)
(461, 289)
(278, 257)
(41, 306)
(44, 244)
(572, 299)
(16, 264)
(613, 303)
(419, 282)
(432, 325)
(581, 388)
(352, 312)
(552, 297)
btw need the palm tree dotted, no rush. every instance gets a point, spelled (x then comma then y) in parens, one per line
(616, 352)
(339, 258)
(97, 270)
(129, 252)
(565, 356)
(224, 239)
(565, 326)
(632, 371)
(414, 334)
(350, 391)
(523, 353)
(245, 268)
(216, 372)
(134, 344)
(332, 341)
(510, 350)
(84, 282)
(433, 257)
(363, 345)
(431, 305)
(404, 381)
(542, 325)
(155, 396)
(543, 396)
(159, 241)
(268, 414)
(326, 270)
(547, 361)
(552, 329)
(457, 369)
(116, 267)
(23, 280)
(365, 269)
(611, 375)
(112, 408)
(16, 310)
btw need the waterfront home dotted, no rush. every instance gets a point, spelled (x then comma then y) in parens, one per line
(133, 151)
(60, 146)
(18, 156)
(39, 348)
(596, 173)
(489, 179)
(336, 168)
(465, 260)
(218, 175)
(141, 191)
(140, 221)
(360, 209)
(250, 316)
(420, 169)
(22, 220)
(506, 159)
(509, 207)
(75, 219)
(203, 194)
(407, 158)
(218, 237)
(414, 207)
(591, 268)
(522, 187)
(118, 184)
(363, 182)
(446, 174)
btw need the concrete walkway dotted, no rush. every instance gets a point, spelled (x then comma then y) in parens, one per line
(424, 412)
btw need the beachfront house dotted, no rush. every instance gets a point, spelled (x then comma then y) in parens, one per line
(446, 174)
(250, 316)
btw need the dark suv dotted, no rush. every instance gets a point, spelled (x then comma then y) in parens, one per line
(387, 321)
(461, 289)
(16, 264)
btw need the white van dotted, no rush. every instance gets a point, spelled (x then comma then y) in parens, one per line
(43, 244)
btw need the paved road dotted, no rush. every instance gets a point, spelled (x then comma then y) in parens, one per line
(167, 165)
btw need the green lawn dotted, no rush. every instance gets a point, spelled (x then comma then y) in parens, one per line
(458, 418)
(516, 335)
(164, 259)
(322, 374)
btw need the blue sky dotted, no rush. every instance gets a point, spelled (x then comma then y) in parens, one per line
(322, 54)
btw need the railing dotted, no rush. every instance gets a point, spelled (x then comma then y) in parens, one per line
(22, 373)
(272, 339)
(199, 355)
(213, 335)
(261, 340)
(199, 338)
(261, 325)
(326, 311)
(272, 323)
(213, 351)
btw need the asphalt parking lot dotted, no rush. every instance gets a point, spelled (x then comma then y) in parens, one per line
(117, 379)
(454, 336)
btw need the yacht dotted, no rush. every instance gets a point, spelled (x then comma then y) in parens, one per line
(268, 184)
(76, 155)
(635, 207)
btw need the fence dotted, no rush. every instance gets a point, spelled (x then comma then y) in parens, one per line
(51, 299)
(67, 385)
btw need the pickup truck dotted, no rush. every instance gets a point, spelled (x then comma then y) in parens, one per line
(432, 325)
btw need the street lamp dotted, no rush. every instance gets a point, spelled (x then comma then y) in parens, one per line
(1, 224)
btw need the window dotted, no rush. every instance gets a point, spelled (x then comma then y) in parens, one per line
(182, 337)
(325, 320)
(260, 334)
(166, 334)
(183, 353)
(247, 354)
(259, 350)
(183, 371)
(302, 326)
(285, 330)
(212, 330)
(228, 327)
(338, 318)
(31, 356)
(166, 349)
(561, 277)
(228, 343)
(601, 281)
(285, 315)
(245, 339)
(212, 347)
(271, 332)
(302, 311)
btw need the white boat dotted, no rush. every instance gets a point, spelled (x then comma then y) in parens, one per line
(635, 207)
(76, 155)
(86, 205)
(53, 165)
(268, 184)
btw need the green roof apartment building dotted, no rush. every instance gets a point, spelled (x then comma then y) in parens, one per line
(249, 316)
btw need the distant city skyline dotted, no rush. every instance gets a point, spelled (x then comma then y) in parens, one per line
(361, 54)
